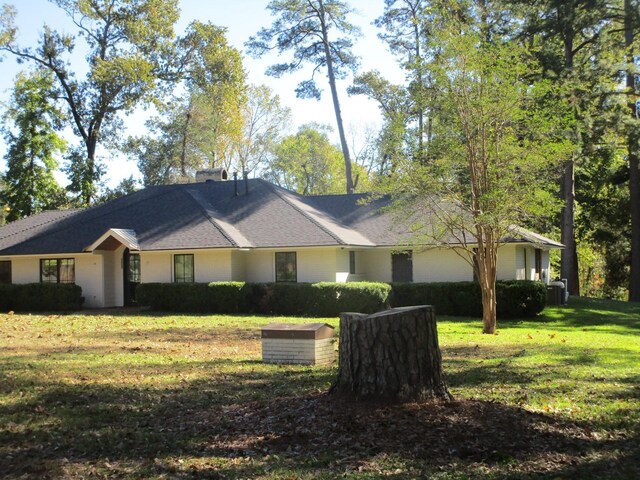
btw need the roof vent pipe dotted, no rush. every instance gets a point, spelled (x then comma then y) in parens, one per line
(235, 184)
(245, 174)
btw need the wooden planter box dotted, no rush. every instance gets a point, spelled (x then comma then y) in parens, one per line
(304, 344)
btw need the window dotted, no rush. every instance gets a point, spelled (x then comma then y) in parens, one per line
(538, 264)
(183, 268)
(401, 267)
(286, 267)
(134, 268)
(352, 263)
(5, 271)
(58, 270)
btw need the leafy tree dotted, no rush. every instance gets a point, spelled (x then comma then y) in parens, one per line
(568, 35)
(405, 29)
(305, 27)
(125, 187)
(204, 126)
(394, 102)
(216, 93)
(307, 162)
(264, 121)
(32, 147)
(128, 44)
(490, 144)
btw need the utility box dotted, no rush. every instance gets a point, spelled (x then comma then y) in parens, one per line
(556, 293)
(301, 344)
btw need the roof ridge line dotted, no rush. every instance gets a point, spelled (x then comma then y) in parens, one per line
(224, 233)
(81, 210)
(307, 216)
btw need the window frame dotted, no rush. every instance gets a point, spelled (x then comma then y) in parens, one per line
(287, 279)
(183, 278)
(7, 272)
(66, 266)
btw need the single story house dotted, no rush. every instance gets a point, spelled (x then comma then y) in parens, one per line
(247, 230)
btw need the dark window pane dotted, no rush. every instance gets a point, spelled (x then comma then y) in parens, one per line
(286, 267)
(5, 271)
(183, 268)
(49, 271)
(352, 263)
(401, 267)
(134, 268)
(67, 270)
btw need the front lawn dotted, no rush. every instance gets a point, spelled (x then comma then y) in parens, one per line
(131, 395)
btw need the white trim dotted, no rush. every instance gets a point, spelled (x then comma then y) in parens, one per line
(127, 238)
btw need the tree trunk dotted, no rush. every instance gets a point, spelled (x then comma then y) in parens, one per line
(336, 103)
(568, 256)
(391, 355)
(632, 149)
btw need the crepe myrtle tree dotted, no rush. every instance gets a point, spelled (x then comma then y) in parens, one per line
(492, 143)
(308, 29)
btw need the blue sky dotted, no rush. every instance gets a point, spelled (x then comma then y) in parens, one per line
(242, 18)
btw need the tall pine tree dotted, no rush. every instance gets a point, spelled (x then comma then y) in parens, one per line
(33, 144)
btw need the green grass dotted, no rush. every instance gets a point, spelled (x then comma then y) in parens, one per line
(134, 395)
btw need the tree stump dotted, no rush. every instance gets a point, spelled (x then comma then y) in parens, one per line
(391, 355)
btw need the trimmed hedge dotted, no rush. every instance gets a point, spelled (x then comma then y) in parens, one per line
(515, 298)
(39, 297)
(325, 299)
(215, 297)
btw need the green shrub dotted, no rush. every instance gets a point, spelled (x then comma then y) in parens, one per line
(215, 297)
(39, 297)
(325, 299)
(520, 298)
(515, 298)
(362, 297)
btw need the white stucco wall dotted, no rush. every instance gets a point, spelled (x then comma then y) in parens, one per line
(155, 267)
(507, 268)
(25, 269)
(238, 265)
(440, 265)
(89, 277)
(317, 265)
(212, 265)
(260, 266)
(113, 278)
(342, 265)
(376, 265)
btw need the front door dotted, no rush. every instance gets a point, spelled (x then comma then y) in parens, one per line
(131, 272)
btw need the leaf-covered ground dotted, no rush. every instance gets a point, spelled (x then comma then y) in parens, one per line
(125, 394)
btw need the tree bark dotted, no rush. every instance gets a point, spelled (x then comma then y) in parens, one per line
(392, 355)
(336, 103)
(632, 151)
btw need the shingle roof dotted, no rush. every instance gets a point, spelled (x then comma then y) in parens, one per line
(210, 215)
